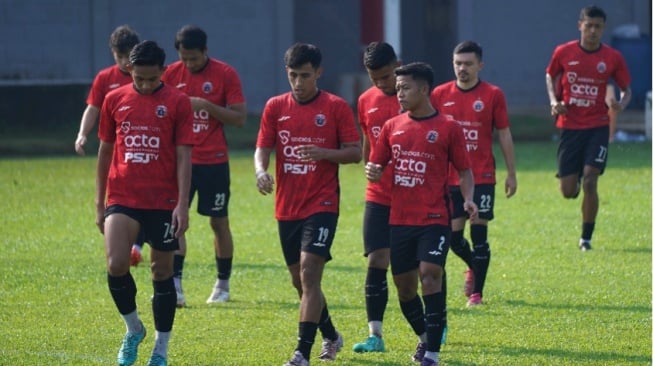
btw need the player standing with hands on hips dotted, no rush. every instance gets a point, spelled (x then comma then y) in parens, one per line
(421, 144)
(583, 69)
(480, 109)
(312, 132)
(142, 182)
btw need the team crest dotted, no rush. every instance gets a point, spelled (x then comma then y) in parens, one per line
(432, 136)
(571, 77)
(207, 87)
(124, 127)
(601, 67)
(478, 105)
(320, 120)
(161, 111)
(396, 151)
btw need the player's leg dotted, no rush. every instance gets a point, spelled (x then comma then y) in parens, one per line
(164, 301)
(433, 246)
(224, 249)
(376, 232)
(596, 159)
(484, 199)
(136, 256)
(120, 230)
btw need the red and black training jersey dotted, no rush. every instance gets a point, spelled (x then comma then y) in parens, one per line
(105, 81)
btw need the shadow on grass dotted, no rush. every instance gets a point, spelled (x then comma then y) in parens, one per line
(582, 307)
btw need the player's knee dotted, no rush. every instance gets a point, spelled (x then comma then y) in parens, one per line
(590, 184)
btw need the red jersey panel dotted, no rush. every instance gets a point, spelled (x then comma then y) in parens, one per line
(306, 188)
(479, 111)
(374, 109)
(218, 83)
(584, 77)
(105, 81)
(145, 130)
(421, 151)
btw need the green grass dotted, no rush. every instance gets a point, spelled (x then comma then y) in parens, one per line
(547, 303)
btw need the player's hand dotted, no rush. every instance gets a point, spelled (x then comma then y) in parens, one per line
(79, 144)
(264, 182)
(180, 220)
(373, 171)
(197, 103)
(558, 108)
(471, 209)
(311, 152)
(615, 105)
(511, 186)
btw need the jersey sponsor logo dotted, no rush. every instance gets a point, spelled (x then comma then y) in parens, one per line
(284, 136)
(114, 85)
(376, 132)
(300, 169)
(432, 136)
(601, 67)
(200, 126)
(571, 77)
(320, 120)
(161, 111)
(372, 110)
(180, 85)
(142, 140)
(585, 89)
(124, 108)
(207, 87)
(478, 105)
(471, 138)
(201, 120)
(140, 157)
(449, 104)
(125, 127)
(283, 118)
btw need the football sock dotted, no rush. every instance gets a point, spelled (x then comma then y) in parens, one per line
(178, 266)
(132, 322)
(306, 338)
(588, 230)
(224, 271)
(435, 315)
(413, 311)
(326, 326)
(481, 256)
(164, 304)
(123, 292)
(376, 328)
(460, 246)
(161, 343)
(376, 293)
(435, 356)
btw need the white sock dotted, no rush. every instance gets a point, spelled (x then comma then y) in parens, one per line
(376, 328)
(133, 322)
(422, 337)
(432, 355)
(223, 284)
(161, 343)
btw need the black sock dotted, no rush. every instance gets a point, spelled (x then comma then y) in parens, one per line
(481, 256)
(326, 326)
(123, 292)
(224, 267)
(178, 266)
(413, 311)
(164, 304)
(306, 338)
(376, 293)
(436, 317)
(460, 246)
(588, 230)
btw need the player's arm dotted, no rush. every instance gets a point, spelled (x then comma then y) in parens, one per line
(180, 213)
(624, 98)
(89, 117)
(349, 152)
(467, 190)
(104, 156)
(557, 106)
(264, 181)
(366, 149)
(507, 148)
(233, 115)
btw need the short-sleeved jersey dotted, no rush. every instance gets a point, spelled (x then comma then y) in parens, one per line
(421, 151)
(145, 131)
(584, 76)
(374, 109)
(479, 111)
(218, 83)
(105, 81)
(327, 121)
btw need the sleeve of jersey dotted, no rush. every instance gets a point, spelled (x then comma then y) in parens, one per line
(266, 133)
(361, 116)
(347, 131)
(234, 87)
(95, 97)
(184, 128)
(106, 127)
(500, 110)
(622, 75)
(553, 68)
(458, 149)
(381, 152)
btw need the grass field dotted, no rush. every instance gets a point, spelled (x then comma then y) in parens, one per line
(547, 303)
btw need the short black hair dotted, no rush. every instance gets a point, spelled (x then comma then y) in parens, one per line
(593, 11)
(419, 71)
(378, 55)
(191, 37)
(301, 53)
(469, 47)
(147, 53)
(123, 39)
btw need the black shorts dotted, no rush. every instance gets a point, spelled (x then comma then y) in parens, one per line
(156, 226)
(313, 234)
(211, 182)
(483, 198)
(376, 227)
(413, 244)
(578, 148)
